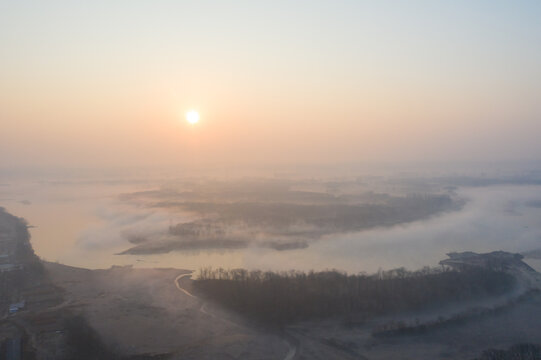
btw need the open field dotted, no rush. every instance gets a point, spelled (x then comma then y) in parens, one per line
(141, 311)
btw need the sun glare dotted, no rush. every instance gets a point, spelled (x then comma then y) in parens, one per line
(192, 117)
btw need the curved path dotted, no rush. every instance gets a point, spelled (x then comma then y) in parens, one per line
(292, 352)
(202, 308)
(182, 289)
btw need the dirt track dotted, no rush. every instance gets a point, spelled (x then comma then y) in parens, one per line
(291, 343)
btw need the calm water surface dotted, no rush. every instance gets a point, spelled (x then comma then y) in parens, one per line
(83, 225)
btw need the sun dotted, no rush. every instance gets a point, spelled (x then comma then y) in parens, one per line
(192, 117)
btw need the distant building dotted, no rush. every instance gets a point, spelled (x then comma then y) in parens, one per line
(14, 308)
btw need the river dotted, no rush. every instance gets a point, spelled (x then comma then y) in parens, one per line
(82, 224)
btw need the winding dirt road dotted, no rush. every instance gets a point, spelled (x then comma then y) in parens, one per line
(291, 353)
(202, 308)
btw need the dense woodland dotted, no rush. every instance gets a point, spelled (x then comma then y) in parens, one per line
(277, 299)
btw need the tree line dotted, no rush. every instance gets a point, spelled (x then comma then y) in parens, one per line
(279, 298)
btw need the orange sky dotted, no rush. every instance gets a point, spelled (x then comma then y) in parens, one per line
(310, 82)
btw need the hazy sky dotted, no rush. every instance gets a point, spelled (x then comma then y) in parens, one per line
(107, 83)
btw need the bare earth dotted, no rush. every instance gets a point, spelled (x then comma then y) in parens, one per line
(141, 311)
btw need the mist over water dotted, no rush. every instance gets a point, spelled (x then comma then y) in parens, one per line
(142, 140)
(495, 218)
(87, 225)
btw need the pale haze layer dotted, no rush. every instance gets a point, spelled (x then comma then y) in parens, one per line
(108, 83)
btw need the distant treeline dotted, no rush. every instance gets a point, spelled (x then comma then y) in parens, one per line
(286, 225)
(334, 216)
(398, 328)
(280, 298)
(516, 352)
